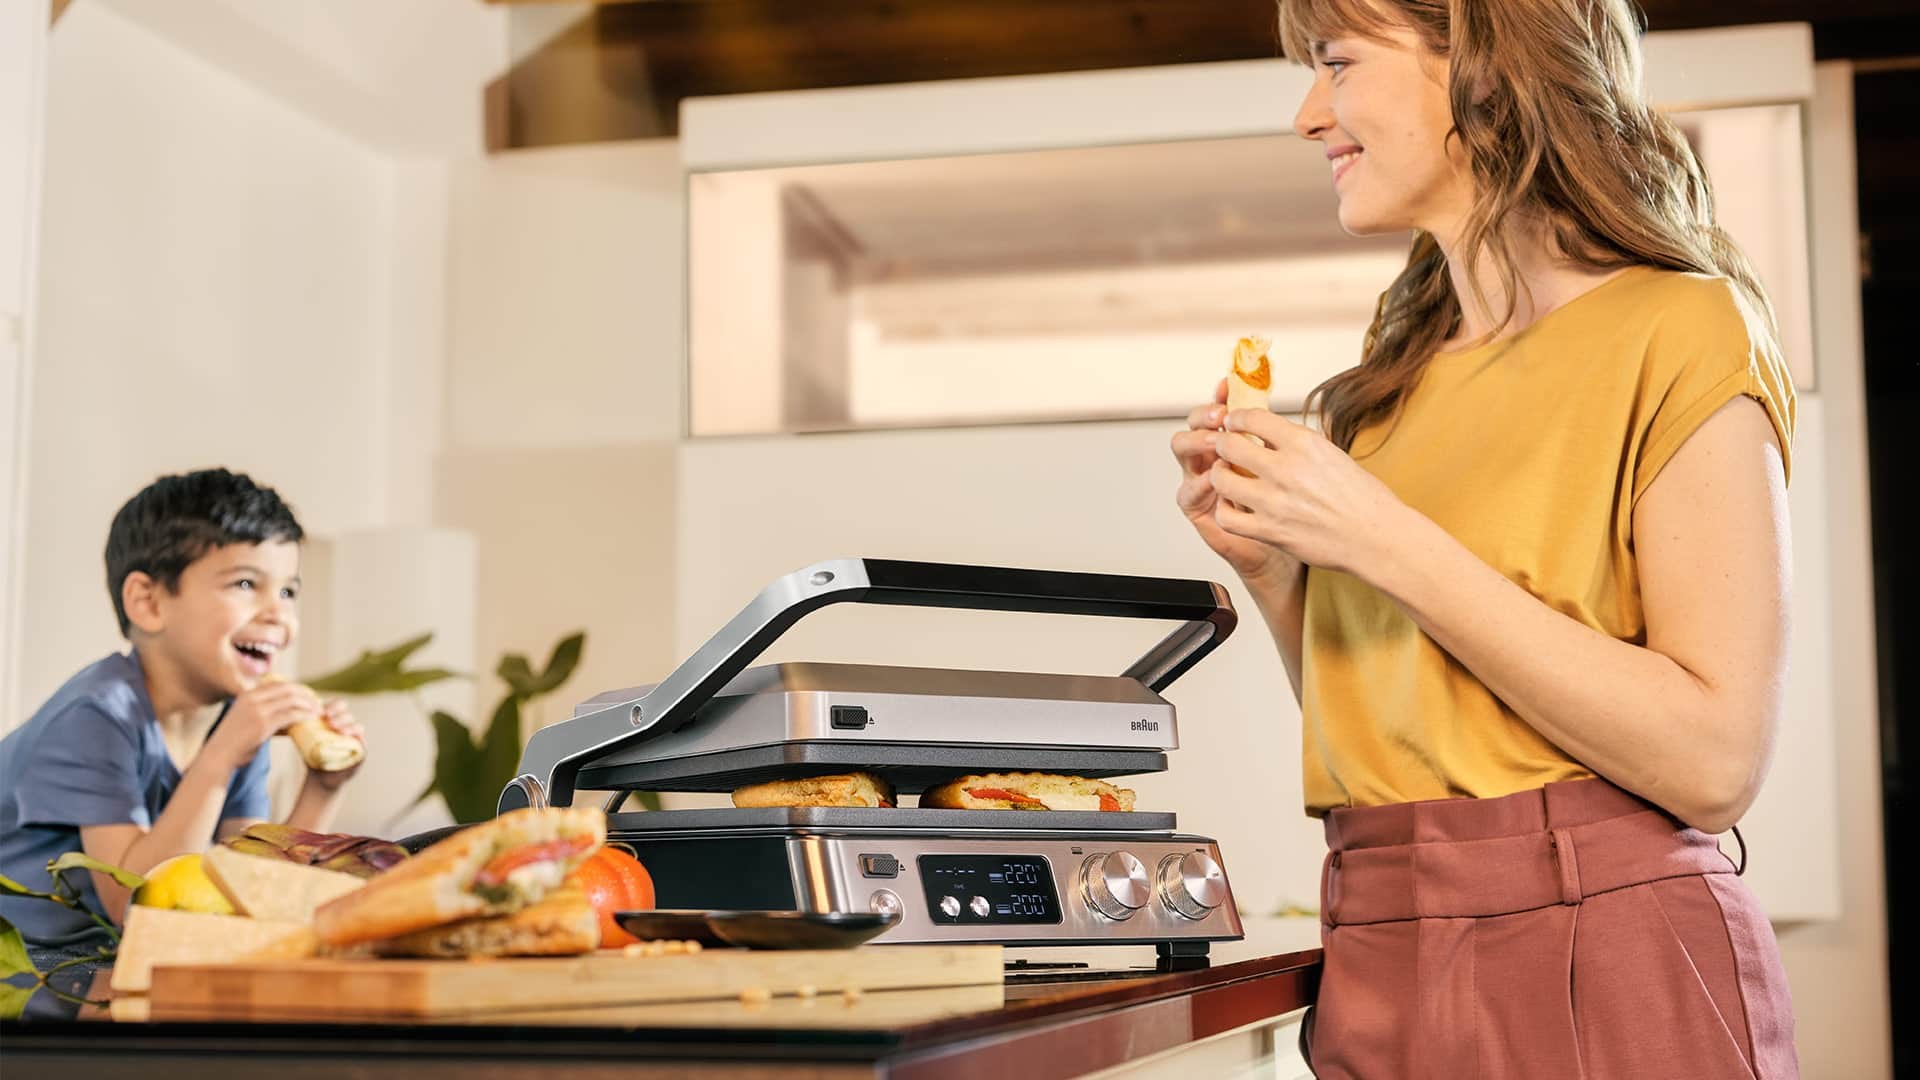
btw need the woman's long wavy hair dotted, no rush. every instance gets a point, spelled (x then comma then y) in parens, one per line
(1548, 108)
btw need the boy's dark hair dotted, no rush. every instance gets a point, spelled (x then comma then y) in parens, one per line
(177, 519)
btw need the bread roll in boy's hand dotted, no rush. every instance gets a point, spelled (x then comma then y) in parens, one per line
(321, 747)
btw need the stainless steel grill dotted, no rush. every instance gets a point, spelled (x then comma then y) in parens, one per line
(1010, 876)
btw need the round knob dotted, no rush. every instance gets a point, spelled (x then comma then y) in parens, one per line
(884, 902)
(1192, 884)
(980, 906)
(950, 906)
(1115, 883)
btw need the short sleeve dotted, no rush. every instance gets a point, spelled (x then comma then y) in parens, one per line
(247, 795)
(85, 770)
(1710, 348)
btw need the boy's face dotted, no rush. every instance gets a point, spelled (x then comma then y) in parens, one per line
(232, 615)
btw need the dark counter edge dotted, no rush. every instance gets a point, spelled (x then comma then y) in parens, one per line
(1079, 1023)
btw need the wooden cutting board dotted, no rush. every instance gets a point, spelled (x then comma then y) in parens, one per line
(280, 988)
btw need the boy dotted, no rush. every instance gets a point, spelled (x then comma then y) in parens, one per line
(204, 571)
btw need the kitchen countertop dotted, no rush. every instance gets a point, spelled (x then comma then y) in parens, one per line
(1050, 1022)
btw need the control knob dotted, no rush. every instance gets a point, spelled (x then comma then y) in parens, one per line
(1115, 883)
(950, 906)
(1192, 885)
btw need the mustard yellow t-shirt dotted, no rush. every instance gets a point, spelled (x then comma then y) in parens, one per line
(1531, 451)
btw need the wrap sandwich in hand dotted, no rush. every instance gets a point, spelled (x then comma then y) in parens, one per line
(321, 747)
(494, 868)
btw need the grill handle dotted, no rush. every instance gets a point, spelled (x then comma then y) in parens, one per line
(555, 753)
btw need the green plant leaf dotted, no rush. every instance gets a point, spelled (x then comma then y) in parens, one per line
(13, 1000)
(13, 888)
(13, 953)
(419, 677)
(398, 654)
(455, 765)
(469, 775)
(499, 761)
(517, 674)
(80, 860)
(381, 672)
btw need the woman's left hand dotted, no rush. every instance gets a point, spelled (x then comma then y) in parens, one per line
(1305, 495)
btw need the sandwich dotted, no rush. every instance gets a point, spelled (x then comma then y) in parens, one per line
(846, 789)
(321, 747)
(494, 868)
(1250, 383)
(324, 749)
(563, 923)
(1027, 791)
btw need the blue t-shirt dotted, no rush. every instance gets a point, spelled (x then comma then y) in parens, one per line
(92, 755)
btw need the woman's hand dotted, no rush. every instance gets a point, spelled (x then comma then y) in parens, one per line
(1305, 496)
(1194, 450)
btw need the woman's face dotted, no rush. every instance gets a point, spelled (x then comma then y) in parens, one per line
(1380, 107)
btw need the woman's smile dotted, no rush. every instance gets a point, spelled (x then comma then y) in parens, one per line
(1343, 159)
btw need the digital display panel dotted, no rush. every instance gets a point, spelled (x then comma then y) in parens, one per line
(1016, 889)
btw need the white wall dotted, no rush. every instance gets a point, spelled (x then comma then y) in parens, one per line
(401, 78)
(563, 387)
(225, 309)
(23, 39)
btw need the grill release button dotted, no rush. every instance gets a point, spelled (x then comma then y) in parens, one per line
(879, 866)
(848, 717)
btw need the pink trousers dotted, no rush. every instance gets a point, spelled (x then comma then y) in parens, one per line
(1573, 931)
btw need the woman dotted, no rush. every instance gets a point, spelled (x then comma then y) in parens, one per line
(1531, 584)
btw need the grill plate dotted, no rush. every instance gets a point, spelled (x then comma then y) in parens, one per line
(878, 818)
(910, 767)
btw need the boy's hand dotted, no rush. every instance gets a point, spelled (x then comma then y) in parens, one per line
(334, 712)
(257, 715)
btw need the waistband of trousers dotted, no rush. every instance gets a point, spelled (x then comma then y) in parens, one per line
(1475, 858)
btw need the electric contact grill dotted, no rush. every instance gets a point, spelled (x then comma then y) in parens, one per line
(1015, 877)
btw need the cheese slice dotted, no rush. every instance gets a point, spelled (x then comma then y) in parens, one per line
(162, 936)
(268, 888)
